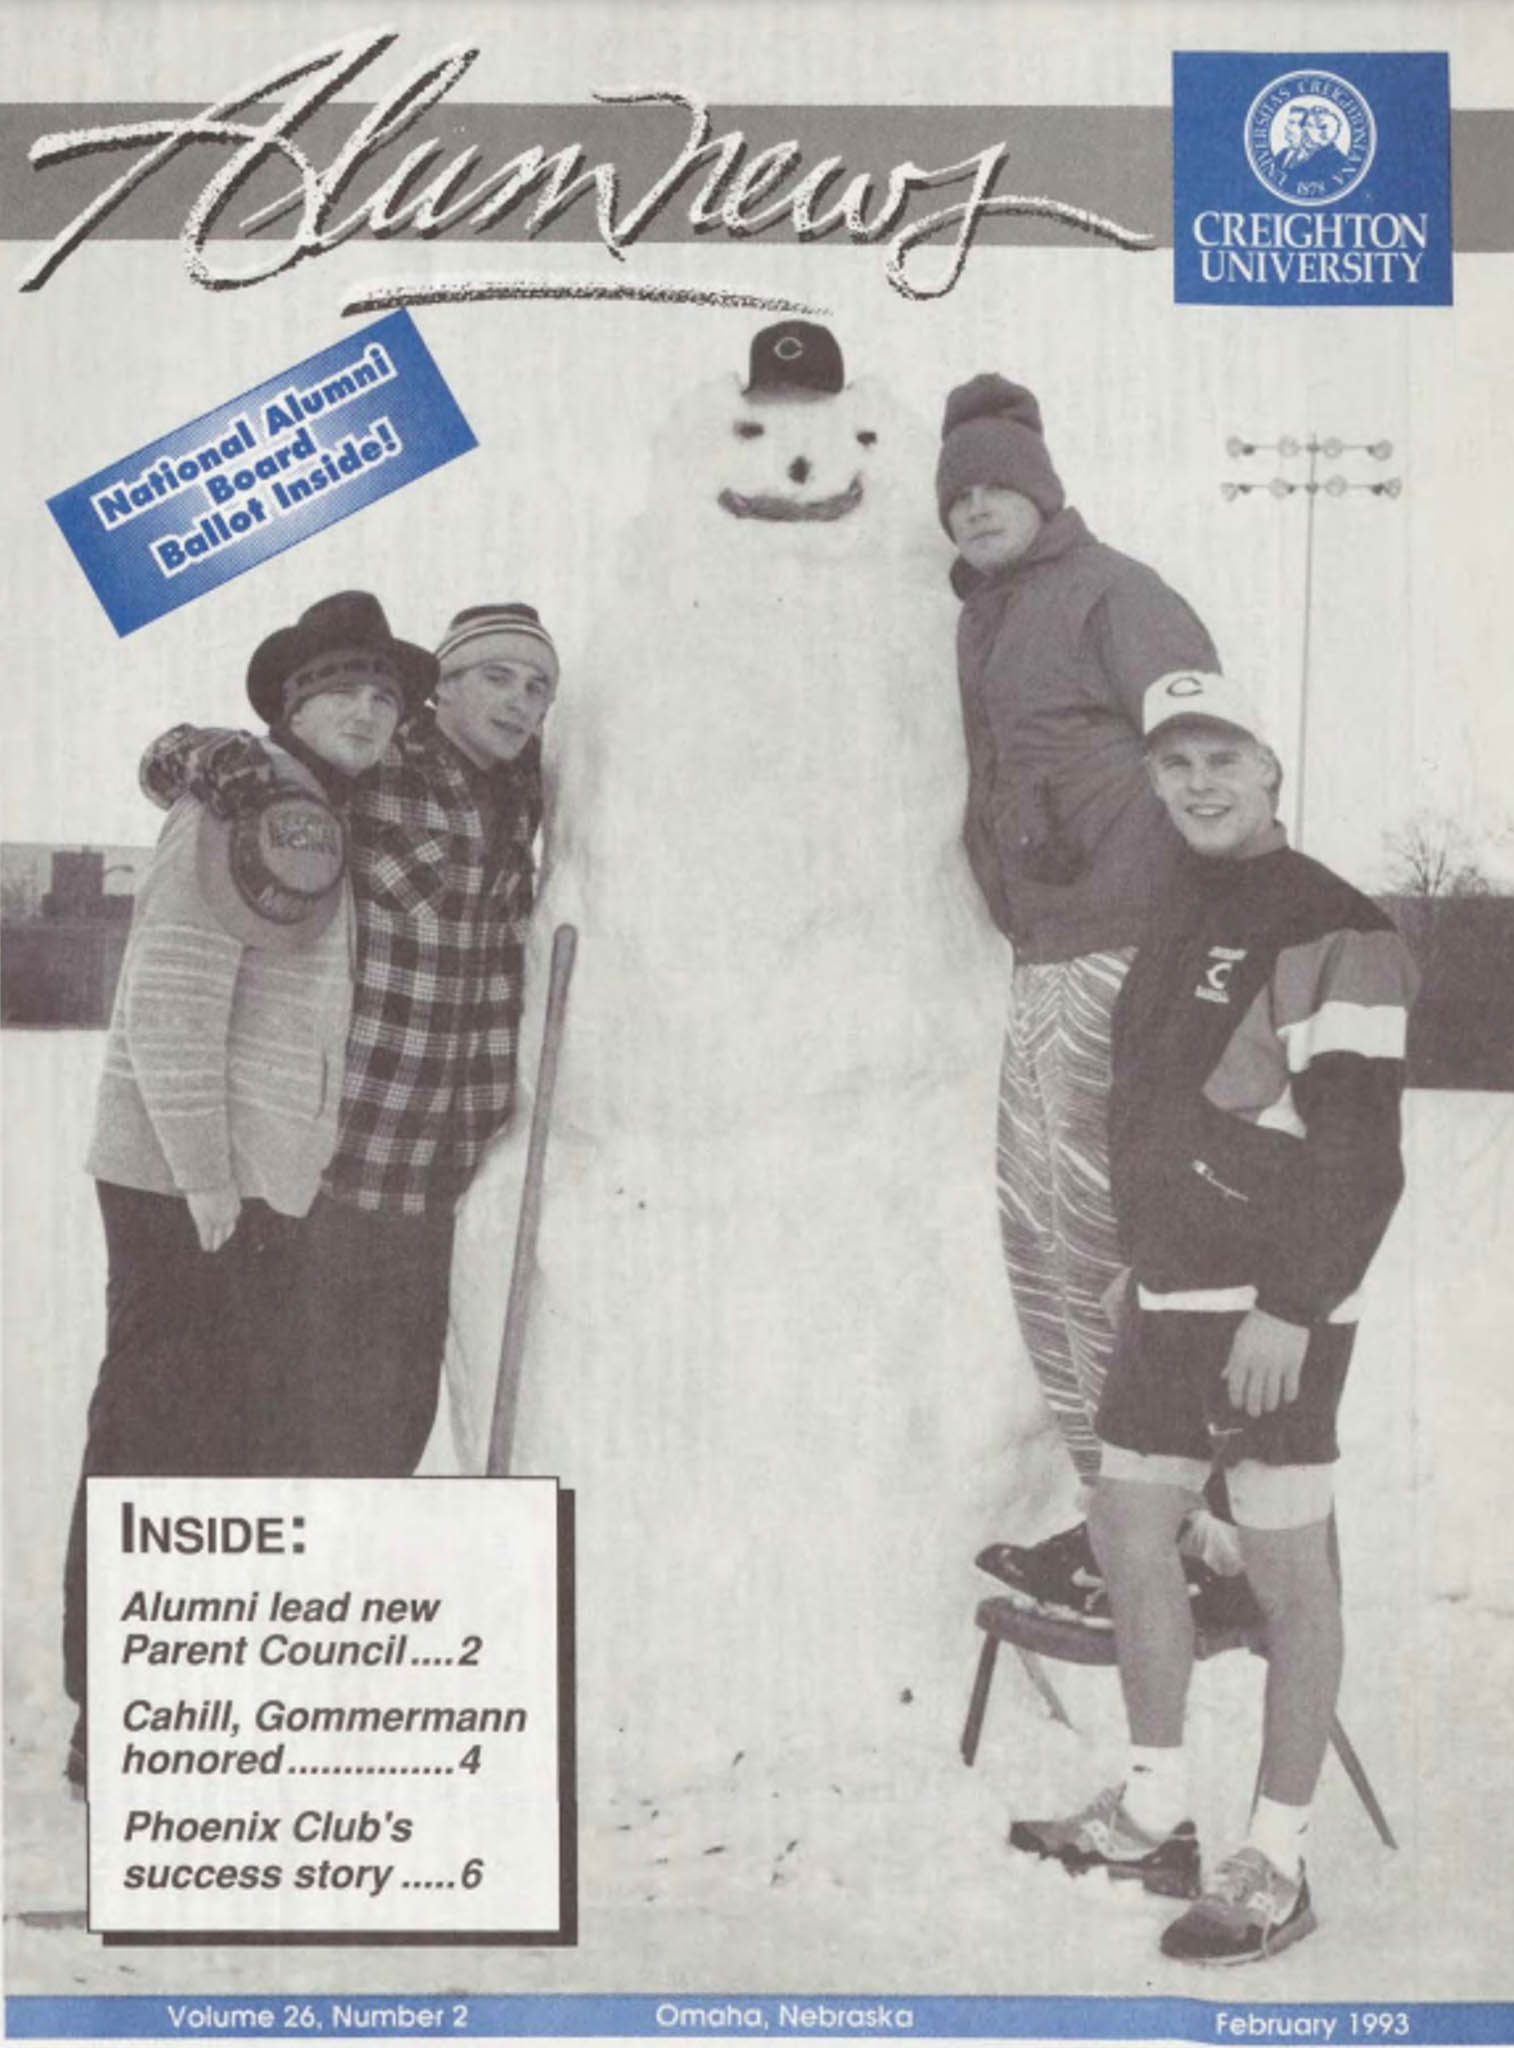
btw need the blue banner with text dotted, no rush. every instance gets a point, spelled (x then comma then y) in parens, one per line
(827, 2014)
(312, 445)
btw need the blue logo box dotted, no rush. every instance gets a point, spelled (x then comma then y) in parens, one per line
(1310, 180)
(268, 469)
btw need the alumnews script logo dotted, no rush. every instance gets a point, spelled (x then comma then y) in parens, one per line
(1311, 181)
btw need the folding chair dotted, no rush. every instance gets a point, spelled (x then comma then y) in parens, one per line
(1033, 1635)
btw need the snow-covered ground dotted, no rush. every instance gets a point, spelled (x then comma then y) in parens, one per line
(899, 1880)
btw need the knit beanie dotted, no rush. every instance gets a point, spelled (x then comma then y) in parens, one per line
(470, 629)
(991, 434)
(338, 670)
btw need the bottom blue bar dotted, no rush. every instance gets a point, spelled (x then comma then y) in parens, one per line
(830, 2016)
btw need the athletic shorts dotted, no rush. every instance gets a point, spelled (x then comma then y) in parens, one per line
(1166, 1395)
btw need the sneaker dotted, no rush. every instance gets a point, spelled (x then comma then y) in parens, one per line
(1029, 1566)
(1249, 1911)
(1104, 1837)
(1059, 1577)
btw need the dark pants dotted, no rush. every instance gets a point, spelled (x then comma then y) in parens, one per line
(192, 1341)
(360, 1388)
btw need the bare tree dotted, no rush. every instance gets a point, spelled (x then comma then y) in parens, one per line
(1431, 855)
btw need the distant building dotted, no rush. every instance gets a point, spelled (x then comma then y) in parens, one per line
(66, 912)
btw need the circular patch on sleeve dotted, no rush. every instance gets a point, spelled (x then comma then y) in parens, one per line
(273, 874)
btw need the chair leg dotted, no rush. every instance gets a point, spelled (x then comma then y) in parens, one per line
(1035, 1671)
(1352, 1765)
(977, 1706)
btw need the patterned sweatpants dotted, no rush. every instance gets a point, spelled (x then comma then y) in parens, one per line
(1055, 1215)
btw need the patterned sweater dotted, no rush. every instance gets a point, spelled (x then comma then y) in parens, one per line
(1258, 1069)
(442, 879)
(223, 1062)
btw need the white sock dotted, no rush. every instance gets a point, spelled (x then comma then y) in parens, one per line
(1281, 1833)
(1156, 1788)
(1212, 1540)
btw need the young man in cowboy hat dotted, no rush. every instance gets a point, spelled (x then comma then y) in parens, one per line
(1255, 1153)
(441, 835)
(217, 1109)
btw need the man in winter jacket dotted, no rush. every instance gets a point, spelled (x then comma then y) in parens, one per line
(1255, 1151)
(1059, 639)
(217, 1109)
(442, 875)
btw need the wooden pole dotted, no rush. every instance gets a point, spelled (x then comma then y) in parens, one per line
(513, 1343)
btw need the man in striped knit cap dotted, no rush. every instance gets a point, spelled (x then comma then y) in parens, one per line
(442, 833)
(1058, 641)
(1255, 1149)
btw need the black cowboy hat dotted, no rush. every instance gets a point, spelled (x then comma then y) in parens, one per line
(352, 618)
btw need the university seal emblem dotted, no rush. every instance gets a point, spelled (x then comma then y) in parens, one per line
(1310, 137)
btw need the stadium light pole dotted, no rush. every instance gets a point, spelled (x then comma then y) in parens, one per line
(1288, 448)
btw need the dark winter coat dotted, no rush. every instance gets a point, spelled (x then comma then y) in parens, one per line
(1258, 1067)
(1055, 652)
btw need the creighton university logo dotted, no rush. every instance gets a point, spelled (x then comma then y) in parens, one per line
(1311, 178)
(1310, 137)
(1220, 964)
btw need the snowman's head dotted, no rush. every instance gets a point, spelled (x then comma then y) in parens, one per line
(836, 473)
(792, 457)
(759, 481)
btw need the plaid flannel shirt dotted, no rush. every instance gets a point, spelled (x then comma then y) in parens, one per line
(441, 916)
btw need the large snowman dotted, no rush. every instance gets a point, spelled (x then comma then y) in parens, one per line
(771, 1346)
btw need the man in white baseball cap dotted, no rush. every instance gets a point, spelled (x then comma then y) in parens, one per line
(1258, 1057)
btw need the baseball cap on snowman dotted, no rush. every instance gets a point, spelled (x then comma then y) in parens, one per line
(991, 434)
(1203, 696)
(795, 359)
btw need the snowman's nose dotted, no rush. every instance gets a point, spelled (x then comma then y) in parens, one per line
(799, 469)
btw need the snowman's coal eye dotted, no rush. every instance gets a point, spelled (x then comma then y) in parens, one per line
(748, 430)
(867, 437)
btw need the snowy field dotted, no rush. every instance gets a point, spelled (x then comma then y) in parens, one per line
(899, 1881)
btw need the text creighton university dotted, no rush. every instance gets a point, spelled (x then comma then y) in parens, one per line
(1310, 248)
(740, 191)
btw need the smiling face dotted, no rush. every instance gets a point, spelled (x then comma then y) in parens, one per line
(1219, 786)
(492, 705)
(992, 525)
(798, 458)
(351, 720)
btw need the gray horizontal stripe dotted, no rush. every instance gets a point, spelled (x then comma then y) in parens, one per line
(1110, 160)
(1114, 160)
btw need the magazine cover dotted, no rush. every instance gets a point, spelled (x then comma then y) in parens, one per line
(758, 892)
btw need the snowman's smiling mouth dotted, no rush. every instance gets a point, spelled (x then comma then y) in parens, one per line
(768, 505)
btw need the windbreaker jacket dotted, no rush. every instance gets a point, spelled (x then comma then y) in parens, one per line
(442, 907)
(1055, 652)
(1258, 1069)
